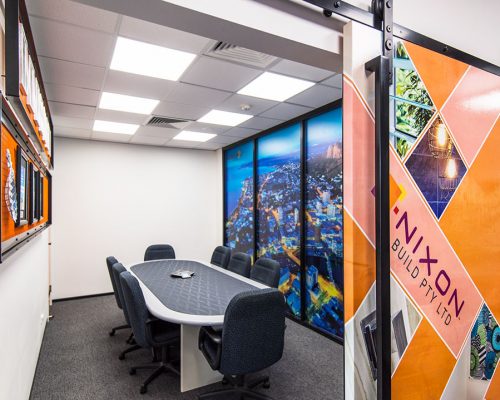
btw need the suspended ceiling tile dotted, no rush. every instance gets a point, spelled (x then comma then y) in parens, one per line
(64, 131)
(70, 122)
(301, 71)
(334, 81)
(72, 43)
(71, 94)
(285, 111)
(111, 137)
(182, 143)
(316, 96)
(177, 110)
(207, 128)
(71, 74)
(120, 116)
(163, 36)
(224, 139)
(218, 74)
(260, 123)
(137, 85)
(241, 132)
(196, 95)
(210, 146)
(236, 101)
(74, 13)
(153, 131)
(149, 140)
(72, 110)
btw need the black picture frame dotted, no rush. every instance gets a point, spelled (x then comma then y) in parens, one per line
(40, 198)
(22, 186)
(36, 191)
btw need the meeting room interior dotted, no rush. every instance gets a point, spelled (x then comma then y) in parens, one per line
(230, 199)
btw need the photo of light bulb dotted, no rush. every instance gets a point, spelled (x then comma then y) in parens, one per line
(442, 135)
(451, 171)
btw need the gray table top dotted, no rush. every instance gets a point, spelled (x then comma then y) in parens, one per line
(199, 300)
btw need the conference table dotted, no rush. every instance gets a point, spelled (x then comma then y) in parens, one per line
(198, 301)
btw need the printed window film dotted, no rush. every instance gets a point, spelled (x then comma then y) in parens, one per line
(239, 194)
(324, 267)
(278, 208)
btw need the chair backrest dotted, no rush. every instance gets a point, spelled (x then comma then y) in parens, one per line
(118, 269)
(136, 307)
(221, 256)
(253, 332)
(159, 252)
(240, 263)
(109, 262)
(266, 271)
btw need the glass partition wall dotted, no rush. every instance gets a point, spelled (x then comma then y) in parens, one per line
(283, 200)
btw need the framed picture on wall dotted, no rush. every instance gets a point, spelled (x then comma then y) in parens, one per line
(22, 187)
(33, 173)
(40, 200)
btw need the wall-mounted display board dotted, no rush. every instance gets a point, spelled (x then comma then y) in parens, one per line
(283, 200)
(23, 82)
(444, 185)
(25, 186)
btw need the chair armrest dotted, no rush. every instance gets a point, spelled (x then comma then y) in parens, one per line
(207, 335)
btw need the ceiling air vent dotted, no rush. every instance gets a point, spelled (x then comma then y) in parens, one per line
(231, 52)
(167, 122)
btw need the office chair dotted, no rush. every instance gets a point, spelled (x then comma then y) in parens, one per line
(159, 252)
(240, 263)
(149, 332)
(252, 339)
(118, 269)
(221, 256)
(109, 262)
(266, 271)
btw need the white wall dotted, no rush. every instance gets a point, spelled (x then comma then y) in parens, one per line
(24, 309)
(116, 199)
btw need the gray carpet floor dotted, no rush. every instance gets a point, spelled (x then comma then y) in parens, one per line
(79, 361)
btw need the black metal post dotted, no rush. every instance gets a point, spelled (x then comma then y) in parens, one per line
(302, 219)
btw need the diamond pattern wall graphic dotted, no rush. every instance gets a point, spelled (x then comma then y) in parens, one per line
(436, 167)
(411, 107)
(472, 109)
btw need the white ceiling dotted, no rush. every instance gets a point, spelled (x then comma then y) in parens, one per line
(75, 44)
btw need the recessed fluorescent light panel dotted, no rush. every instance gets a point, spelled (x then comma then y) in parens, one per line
(132, 104)
(194, 136)
(115, 127)
(275, 87)
(218, 117)
(150, 60)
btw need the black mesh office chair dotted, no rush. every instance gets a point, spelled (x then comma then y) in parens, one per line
(118, 269)
(221, 256)
(266, 271)
(159, 252)
(252, 339)
(240, 263)
(109, 262)
(149, 332)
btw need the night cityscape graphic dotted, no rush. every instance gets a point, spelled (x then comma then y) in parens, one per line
(278, 214)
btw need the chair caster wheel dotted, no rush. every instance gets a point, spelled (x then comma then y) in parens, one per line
(132, 371)
(143, 389)
(224, 381)
(112, 333)
(121, 357)
(266, 385)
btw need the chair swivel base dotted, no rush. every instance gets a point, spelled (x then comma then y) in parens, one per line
(113, 331)
(239, 389)
(159, 368)
(128, 350)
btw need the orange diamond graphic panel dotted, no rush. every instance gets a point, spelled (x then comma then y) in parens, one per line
(471, 221)
(425, 368)
(439, 73)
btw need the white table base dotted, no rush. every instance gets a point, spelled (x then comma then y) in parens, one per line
(195, 371)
